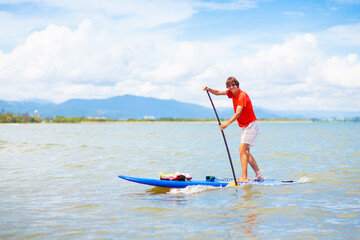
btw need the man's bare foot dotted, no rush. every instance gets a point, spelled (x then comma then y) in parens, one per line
(242, 179)
(258, 177)
(239, 180)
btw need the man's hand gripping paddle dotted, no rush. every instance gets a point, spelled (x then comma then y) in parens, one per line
(227, 149)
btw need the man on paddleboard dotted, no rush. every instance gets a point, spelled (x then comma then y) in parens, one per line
(245, 116)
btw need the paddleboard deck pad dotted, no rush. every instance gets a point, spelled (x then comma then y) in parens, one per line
(215, 182)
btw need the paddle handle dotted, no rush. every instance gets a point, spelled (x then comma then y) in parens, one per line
(223, 134)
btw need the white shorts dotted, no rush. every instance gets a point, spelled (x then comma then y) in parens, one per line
(249, 133)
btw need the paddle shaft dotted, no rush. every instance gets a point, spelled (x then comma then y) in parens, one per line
(223, 134)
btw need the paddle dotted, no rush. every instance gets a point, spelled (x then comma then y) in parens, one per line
(227, 149)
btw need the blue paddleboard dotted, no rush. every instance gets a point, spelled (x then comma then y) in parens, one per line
(182, 184)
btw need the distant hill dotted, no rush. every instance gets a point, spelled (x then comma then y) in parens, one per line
(129, 106)
(120, 107)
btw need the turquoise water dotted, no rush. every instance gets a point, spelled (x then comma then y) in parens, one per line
(59, 181)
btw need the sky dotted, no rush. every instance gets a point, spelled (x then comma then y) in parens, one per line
(287, 55)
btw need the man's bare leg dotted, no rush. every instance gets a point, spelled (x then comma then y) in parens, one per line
(244, 156)
(254, 166)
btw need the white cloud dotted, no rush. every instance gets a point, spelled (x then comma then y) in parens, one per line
(297, 75)
(188, 58)
(59, 63)
(286, 63)
(342, 35)
(227, 5)
(109, 49)
(57, 57)
(342, 71)
(121, 17)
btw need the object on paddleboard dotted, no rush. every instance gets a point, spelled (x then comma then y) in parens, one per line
(175, 177)
(212, 181)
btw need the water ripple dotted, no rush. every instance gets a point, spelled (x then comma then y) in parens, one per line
(60, 182)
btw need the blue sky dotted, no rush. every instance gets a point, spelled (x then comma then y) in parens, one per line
(288, 55)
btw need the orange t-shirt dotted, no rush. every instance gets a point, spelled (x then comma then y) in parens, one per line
(247, 115)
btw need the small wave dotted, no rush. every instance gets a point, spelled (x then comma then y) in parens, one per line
(191, 190)
(82, 208)
(75, 166)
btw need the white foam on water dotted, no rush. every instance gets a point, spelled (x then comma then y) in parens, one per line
(305, 179)
(191, 190)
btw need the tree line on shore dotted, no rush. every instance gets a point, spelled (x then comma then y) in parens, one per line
(26, 118)
(8, 117)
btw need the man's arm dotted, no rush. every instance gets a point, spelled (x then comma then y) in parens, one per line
(232, 119)
(214, 91)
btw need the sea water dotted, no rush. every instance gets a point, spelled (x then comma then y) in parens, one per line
(59, 181)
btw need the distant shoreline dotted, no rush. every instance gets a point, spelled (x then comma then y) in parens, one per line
(36, 119)
(182, 121)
